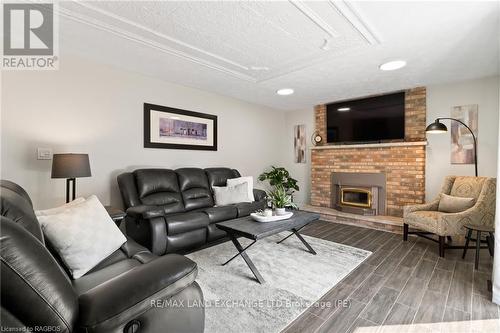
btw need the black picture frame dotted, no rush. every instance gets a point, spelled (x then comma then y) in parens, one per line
(147, 128)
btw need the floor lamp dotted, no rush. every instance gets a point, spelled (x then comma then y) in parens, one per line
(70, 166)
(438, 127)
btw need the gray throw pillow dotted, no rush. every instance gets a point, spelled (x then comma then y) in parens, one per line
(451, 204)
(231, 194)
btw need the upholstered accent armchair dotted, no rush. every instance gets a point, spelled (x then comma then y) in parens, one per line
(427, 219)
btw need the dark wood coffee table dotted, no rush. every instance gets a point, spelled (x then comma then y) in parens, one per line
(248, 228)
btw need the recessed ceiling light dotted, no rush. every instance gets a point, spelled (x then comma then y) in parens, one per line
(344, 109)
(285, 91)
(392, 65)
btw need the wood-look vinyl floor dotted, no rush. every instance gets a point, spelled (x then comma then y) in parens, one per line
(400, 283)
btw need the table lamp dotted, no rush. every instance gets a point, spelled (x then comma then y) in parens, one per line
(70, 166)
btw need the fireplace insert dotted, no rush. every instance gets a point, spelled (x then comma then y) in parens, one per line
(357, 197)
(359, 193)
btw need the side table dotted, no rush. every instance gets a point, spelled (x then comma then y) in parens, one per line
(478, 229)
(116, 214)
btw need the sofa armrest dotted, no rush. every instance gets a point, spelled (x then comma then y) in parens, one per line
(259, 194)
(145, 211)
(452, 223)
(433, 205)
(134, 292)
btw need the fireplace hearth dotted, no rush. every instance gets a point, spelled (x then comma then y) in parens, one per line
(359, 193)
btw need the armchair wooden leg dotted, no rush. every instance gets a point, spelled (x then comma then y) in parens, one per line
(405, 232)
(442, 240)
(467, 240)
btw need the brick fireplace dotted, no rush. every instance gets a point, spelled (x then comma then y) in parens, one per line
(402, 163)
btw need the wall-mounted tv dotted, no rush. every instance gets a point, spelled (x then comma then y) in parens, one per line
(371, 119)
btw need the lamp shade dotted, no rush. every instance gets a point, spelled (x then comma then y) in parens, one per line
(436, 127)
(70, 166)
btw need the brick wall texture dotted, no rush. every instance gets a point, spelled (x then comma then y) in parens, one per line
(404, 166)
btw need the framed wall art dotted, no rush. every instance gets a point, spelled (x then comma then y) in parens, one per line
(462, 143)
(171, 128)
(299, 143)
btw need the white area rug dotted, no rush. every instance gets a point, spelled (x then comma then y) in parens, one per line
(236, 302)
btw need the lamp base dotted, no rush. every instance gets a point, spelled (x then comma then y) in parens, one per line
(68, 182)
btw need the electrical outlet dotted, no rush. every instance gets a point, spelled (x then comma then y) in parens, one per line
(44, 154)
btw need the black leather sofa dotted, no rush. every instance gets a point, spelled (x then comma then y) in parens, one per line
(172, 211)
(127, 292)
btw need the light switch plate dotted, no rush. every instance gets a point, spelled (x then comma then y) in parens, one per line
(44, 154)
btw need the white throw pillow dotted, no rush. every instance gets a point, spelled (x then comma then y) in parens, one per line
(241, 180)
(60, 209)
(231, 194)
(83, 235)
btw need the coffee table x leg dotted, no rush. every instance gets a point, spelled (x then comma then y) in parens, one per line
(244, 255)
(299, 236)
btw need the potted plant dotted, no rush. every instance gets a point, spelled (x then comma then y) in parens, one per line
(280, 199)
(280, 177)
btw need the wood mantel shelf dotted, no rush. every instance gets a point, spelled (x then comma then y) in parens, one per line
(373, 145)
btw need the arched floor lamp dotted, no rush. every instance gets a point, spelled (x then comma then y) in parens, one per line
(438, 127)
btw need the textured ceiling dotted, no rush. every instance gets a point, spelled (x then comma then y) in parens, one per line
(325, 50)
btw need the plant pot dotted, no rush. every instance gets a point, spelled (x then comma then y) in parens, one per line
(280, 211)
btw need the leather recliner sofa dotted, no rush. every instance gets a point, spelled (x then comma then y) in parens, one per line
(173, 211)
(132, 290)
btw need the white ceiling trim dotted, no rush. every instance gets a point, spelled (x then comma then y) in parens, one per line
(150, 43)
(356, 21)
(156, 33)
(311, 15)
(245, 74)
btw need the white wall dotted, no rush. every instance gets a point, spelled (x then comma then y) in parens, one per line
(440, 100)
(95, 109)
(299, 171)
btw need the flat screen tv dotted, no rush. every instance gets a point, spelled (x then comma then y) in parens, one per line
(371, 119)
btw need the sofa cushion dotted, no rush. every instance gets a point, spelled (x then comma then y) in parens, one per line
(214, 233)
(226, 195)
(221, 213)
(17, 207)
(451, 204)
(128, 293)
(57, 210)
(242, 180)
(219, 176)
(425, 220)
(83, 235)
(159, 187)
(196, 193)
(100, 276)
(246, 208)
(34, 288)
(180, 223)
(186, 241)
(467, 187)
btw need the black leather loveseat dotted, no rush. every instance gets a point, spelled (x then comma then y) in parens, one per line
(130, 291)
(171, 211)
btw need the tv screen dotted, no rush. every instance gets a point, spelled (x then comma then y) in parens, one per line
(372, 119)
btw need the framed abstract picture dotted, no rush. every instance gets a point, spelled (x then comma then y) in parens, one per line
(170, 128)
(299, 143)
(462, 143)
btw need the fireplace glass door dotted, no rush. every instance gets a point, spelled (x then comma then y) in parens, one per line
(357, 197)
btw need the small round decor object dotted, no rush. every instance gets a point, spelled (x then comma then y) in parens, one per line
(316, 138)
(133, 326)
